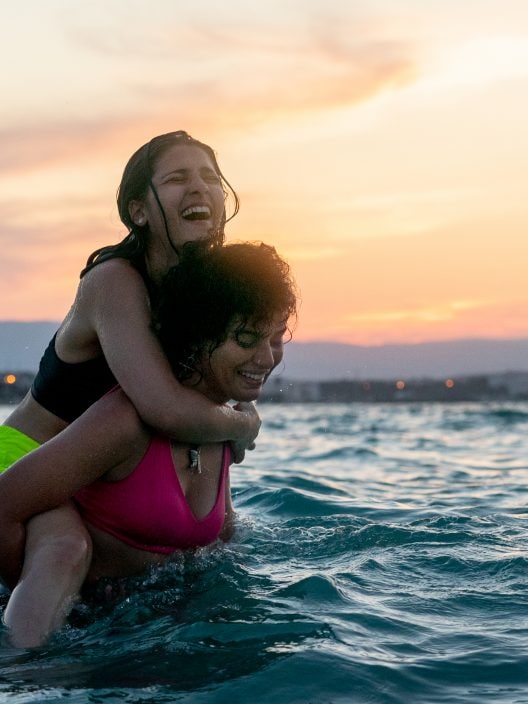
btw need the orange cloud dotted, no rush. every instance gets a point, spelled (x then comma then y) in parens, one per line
(289, 85)
(215, 76)
(435, 285)
(206, 107)
(40, 266)
(36, 146)
(403, 219)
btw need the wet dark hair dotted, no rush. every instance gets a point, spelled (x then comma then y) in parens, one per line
(135, 182)
(211, 288)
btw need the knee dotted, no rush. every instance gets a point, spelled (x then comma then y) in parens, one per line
(58, 538)
(68, 552)
(75, 550)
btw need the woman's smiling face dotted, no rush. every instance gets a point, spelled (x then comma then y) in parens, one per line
(239, 366)
(190, 192)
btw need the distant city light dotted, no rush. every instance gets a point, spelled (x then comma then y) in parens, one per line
(449, 383)
(400, 385)
(10, 378)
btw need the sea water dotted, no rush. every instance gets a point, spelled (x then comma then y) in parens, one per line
(380, 556)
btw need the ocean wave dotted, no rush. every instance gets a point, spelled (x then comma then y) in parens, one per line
(379, 557)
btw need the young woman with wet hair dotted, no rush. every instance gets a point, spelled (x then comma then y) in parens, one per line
(221, 319)
(172, 192)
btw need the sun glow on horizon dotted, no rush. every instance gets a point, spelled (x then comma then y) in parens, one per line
(382, 150)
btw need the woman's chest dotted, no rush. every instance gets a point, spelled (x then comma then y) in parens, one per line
(198, 471)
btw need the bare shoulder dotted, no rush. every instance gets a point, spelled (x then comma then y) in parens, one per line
(112, 421)
(111, 275)
(117, 409)
(124, 435)
(113, 294)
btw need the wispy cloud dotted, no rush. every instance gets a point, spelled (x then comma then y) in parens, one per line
(486, 319)
(431, 314)
(46, 143)
(283, 92)
(234, 72)
(484, 61)
(379, 146)
(198, 67)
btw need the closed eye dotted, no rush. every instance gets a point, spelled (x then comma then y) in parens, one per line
(175, 177)
(211, 176)
(247, 338)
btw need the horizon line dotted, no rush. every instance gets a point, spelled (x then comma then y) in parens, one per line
(326, 341)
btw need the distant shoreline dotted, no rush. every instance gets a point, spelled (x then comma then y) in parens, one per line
(508, 386)
(23, 343)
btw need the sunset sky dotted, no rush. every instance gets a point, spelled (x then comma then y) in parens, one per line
(381, 145)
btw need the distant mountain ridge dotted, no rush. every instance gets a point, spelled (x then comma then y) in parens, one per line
(22, 344)
(330, 360)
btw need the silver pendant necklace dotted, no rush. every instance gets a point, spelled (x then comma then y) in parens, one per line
(195, 463)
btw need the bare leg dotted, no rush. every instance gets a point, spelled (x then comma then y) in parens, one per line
(57, 559)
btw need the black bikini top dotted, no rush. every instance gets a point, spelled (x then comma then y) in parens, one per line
(68, 389)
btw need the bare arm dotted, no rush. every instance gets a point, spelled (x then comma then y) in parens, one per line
(108, 434)
(118, 306)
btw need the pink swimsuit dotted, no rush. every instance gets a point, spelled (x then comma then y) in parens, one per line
(148, 510)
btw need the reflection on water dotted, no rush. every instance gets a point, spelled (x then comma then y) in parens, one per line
(380, 556)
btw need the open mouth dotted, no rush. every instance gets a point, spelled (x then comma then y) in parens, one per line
(197, 212)
(258, 378)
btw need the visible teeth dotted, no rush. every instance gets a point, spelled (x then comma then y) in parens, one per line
(199, 212)
(254, 377)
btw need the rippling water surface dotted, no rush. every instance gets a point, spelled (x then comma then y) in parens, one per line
(380, 556)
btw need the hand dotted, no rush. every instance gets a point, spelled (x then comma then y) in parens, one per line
(253, 419)
(248, 443)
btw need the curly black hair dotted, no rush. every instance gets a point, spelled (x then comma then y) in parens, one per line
(211, 288)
